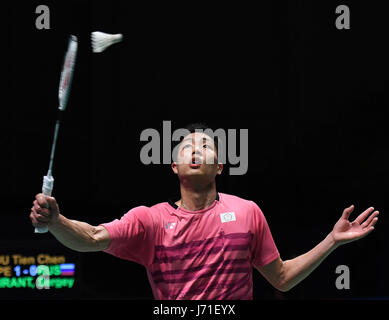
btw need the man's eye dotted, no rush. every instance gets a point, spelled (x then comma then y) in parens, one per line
(186, 146)
(207, 146)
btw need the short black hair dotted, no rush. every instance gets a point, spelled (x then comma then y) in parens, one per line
(192, 127)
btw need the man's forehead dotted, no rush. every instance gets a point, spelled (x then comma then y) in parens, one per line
(197, 136)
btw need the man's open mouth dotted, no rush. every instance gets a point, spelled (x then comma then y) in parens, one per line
(195, 165)
(196, 162)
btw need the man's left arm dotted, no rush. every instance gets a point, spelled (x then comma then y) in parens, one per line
(284, 275)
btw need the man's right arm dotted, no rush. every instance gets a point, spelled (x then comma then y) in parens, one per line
(76, 235)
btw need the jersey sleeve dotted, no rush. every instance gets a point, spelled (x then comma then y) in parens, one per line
(132, 237)
(264, 248)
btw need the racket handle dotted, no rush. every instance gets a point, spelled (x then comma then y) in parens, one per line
(47, 188)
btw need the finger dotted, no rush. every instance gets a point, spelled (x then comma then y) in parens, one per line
(40, 218)
(347, 212)
(40, 210)
(370, 219)
(367, 231)
(52, 203)
(364, 215)
(41, 198)
(36, 205)
(36, 223)
(372, 224)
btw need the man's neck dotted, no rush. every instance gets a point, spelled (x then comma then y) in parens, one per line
(194, 199)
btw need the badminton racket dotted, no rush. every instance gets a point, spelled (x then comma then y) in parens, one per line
(63, 95)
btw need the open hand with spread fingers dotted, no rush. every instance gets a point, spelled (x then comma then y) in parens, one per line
(345, 231)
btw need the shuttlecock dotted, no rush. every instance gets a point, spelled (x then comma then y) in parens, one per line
(101, 40)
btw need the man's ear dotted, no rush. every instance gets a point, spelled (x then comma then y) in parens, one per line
(174, 167)
(219, 168)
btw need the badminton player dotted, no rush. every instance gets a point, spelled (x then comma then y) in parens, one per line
(205, 244)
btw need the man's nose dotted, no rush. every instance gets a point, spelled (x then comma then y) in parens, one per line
(196, 150)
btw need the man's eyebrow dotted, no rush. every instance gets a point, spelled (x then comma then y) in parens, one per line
(186, 139)
(191, 139)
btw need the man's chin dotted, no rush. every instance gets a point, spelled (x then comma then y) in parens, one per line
(197, 171)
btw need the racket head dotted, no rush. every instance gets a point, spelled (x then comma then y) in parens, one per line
(67, 72)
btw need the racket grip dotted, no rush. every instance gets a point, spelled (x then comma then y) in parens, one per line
(47, 188)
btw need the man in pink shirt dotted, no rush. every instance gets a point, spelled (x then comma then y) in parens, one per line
(205, 244)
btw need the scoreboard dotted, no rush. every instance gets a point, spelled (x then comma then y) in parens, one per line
(29, 268)
(42, 271)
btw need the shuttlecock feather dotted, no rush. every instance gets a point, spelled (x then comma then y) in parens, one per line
(101, 40)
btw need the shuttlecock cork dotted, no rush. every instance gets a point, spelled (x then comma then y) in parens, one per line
(102, 40)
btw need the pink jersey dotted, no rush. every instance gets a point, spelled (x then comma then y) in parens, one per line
(205, 254)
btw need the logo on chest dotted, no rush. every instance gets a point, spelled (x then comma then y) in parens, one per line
(227, 217)
(170, 225)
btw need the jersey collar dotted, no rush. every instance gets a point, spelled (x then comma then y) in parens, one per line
(172, 201)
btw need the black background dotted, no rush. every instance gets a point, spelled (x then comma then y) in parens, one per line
(313, 98)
